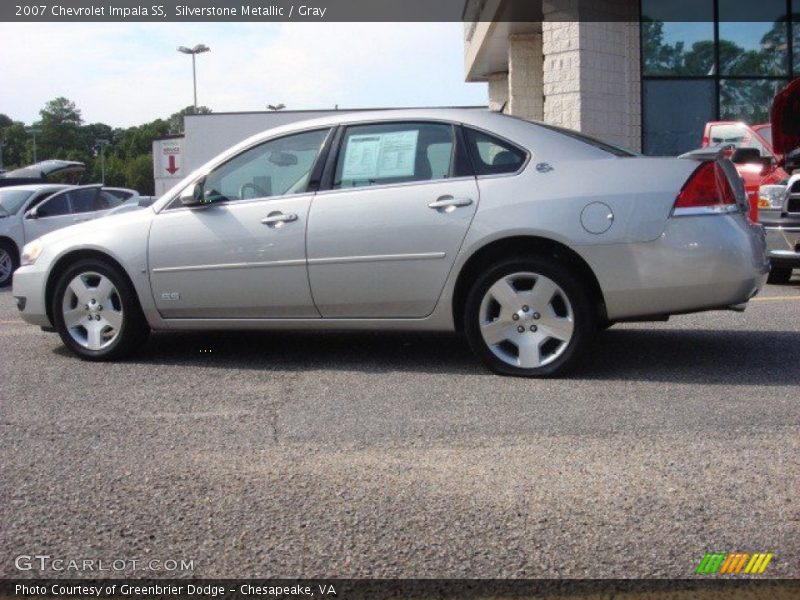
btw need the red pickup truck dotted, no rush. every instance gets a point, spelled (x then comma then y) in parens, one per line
(765, 155)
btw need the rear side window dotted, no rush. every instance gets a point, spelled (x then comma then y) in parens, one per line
(83, 200)
(390, 153)
(492, 156)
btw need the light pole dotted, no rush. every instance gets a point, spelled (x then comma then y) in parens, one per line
(198, 49)
(34, 131)
(102, 143)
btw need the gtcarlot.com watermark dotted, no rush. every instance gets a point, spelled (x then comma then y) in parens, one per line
(45, 562)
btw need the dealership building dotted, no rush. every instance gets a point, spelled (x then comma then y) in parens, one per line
(647, 74)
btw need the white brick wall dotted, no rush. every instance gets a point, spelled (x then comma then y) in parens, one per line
(525, 85)
(498, 91)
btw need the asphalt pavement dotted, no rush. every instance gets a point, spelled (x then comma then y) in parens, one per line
(399, 455)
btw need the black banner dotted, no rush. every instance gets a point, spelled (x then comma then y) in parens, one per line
(411, 589)
(375, 10)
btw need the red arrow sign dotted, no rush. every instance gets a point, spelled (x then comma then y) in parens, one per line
(172, 168)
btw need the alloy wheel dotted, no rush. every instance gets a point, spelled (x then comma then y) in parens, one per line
(92, 310)
(526, 320)
(6, 265)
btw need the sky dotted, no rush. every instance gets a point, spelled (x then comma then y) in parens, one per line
(125, 74)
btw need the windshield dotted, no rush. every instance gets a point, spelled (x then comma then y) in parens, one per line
(12, 200)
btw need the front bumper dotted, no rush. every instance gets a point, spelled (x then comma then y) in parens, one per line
(29, 293)
(783, 245)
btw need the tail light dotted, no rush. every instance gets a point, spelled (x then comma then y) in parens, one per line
(707, 191)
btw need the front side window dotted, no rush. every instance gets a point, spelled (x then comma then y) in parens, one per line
(275, 168)
(492, 156)
(391, 153)
(54, 207)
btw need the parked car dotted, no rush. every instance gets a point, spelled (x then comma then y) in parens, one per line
(30, 211)
(40, 172)
(414, 219)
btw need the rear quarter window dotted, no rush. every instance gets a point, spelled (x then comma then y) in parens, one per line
(491, 155)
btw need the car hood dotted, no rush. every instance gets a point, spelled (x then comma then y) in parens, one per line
(785, 119)
(108, 223)
(42, 170)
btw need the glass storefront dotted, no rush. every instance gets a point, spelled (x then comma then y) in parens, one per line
(704, 60)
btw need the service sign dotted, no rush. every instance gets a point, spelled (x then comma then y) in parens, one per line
(169, 158)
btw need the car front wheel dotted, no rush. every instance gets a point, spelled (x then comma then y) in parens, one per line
(97, 313)
(529, 317)
(8, 263)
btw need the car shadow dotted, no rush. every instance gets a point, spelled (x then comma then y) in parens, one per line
(640, 354)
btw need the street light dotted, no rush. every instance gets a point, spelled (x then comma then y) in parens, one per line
(198, 49)
(34, 131)
(102, 143)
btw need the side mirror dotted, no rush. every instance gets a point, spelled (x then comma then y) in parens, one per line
(193, 196)
(32, 213)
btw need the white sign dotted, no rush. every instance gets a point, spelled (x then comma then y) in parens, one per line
(380, 155)
(169, 158)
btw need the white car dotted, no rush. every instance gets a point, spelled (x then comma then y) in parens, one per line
(30, 211)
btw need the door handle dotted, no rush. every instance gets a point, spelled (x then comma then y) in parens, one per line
(277, 219)
(448, 203)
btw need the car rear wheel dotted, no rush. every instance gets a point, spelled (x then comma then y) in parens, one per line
(97, 313)
(779, 275)
(8, 263)
(529, 317)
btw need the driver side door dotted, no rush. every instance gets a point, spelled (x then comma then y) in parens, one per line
(241, 252)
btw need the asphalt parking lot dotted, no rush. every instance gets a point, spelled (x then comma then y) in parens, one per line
(399, 455)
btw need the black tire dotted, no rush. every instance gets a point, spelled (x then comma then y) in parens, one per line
(134, 329)
(779, 275)
(8, 249)
(583, 315)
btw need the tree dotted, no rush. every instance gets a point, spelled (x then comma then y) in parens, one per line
(60, 124)
(175, 120)
(17, 149)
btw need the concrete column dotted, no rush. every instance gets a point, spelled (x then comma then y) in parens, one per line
(591, 74)
(525, 91)
(498, 91)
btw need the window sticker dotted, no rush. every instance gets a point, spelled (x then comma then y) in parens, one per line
(379, 156)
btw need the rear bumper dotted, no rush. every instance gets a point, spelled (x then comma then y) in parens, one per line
(29, 293)
(699, 263)
(783, 245)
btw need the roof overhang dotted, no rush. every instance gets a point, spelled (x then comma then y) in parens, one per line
(489, 26)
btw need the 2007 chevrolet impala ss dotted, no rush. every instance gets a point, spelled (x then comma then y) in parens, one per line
(526, 237)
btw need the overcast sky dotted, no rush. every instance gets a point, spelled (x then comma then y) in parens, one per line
(125, 74)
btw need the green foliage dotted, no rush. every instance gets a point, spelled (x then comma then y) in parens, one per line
(126, 159)
(175, 121)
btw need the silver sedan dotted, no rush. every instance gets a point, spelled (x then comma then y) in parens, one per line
(526, 237)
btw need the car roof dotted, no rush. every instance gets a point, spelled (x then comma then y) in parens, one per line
(36, 187)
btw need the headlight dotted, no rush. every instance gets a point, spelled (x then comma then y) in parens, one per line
(30, 252)
(771, 196)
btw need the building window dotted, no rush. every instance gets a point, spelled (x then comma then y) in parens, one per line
(712, 63)
(672, 127)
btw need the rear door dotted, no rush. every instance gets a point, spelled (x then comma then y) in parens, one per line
(382, 239)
